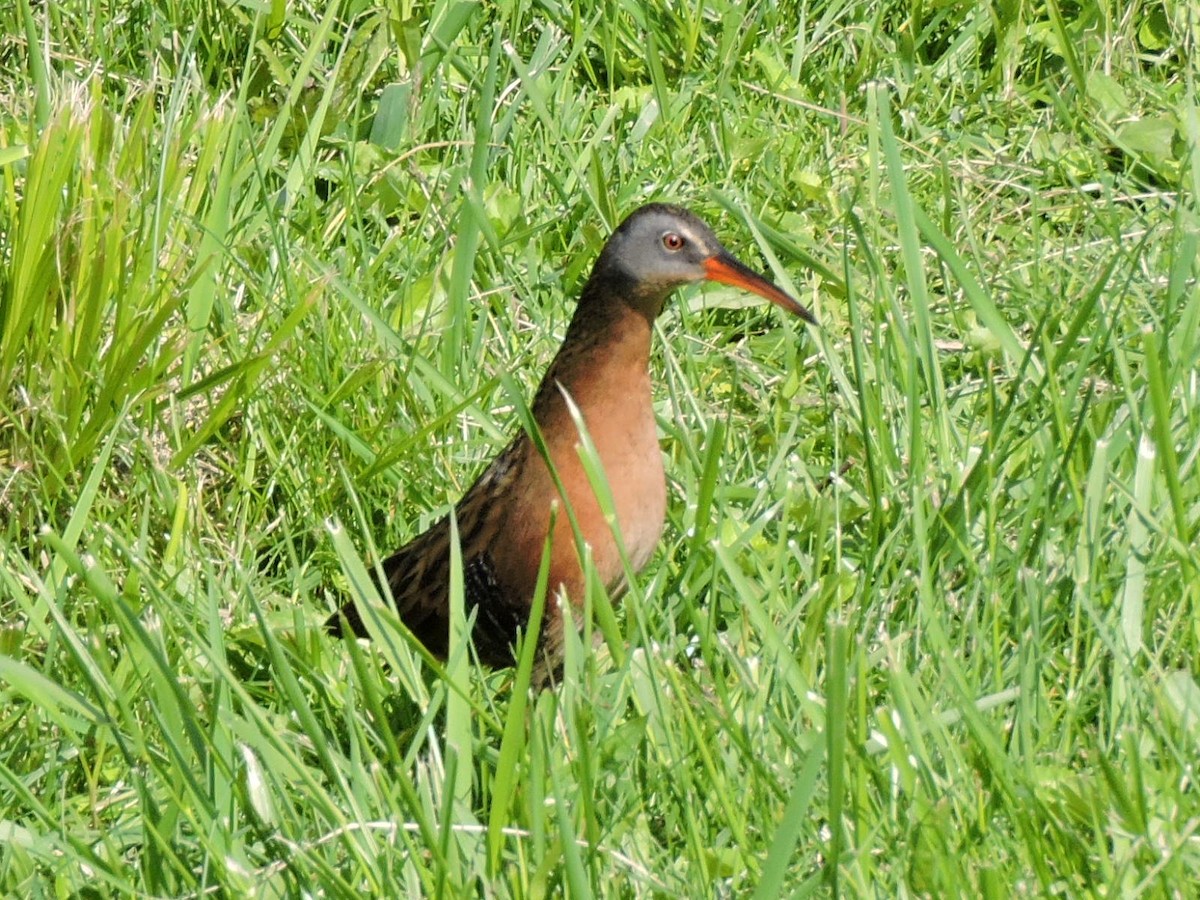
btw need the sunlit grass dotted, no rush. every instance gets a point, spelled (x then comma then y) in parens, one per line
(925, 618)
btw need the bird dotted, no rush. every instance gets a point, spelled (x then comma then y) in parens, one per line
(602, 371)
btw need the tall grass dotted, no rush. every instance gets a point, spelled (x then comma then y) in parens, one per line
(926, 618)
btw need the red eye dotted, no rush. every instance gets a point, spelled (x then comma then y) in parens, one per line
(672, 241)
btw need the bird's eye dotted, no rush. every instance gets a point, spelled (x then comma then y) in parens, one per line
(672, 241)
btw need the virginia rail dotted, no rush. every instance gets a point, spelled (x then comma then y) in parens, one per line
(503, 520)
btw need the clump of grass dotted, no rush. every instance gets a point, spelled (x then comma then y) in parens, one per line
(925, 616)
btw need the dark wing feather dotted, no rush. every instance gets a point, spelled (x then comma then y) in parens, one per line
(418, 574)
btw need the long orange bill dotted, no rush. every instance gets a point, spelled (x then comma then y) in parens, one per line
(726, 269)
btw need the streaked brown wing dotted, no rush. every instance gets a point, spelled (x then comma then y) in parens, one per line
(418, 574)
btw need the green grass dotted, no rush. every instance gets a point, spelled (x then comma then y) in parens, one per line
(926, 617)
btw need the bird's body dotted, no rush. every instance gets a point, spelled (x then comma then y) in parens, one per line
(504, 518)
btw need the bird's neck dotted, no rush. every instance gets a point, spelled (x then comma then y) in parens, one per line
(605, 354)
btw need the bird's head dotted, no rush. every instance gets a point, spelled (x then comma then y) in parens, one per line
(659, 248)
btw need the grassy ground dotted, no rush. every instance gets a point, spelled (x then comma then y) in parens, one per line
(926, 618)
